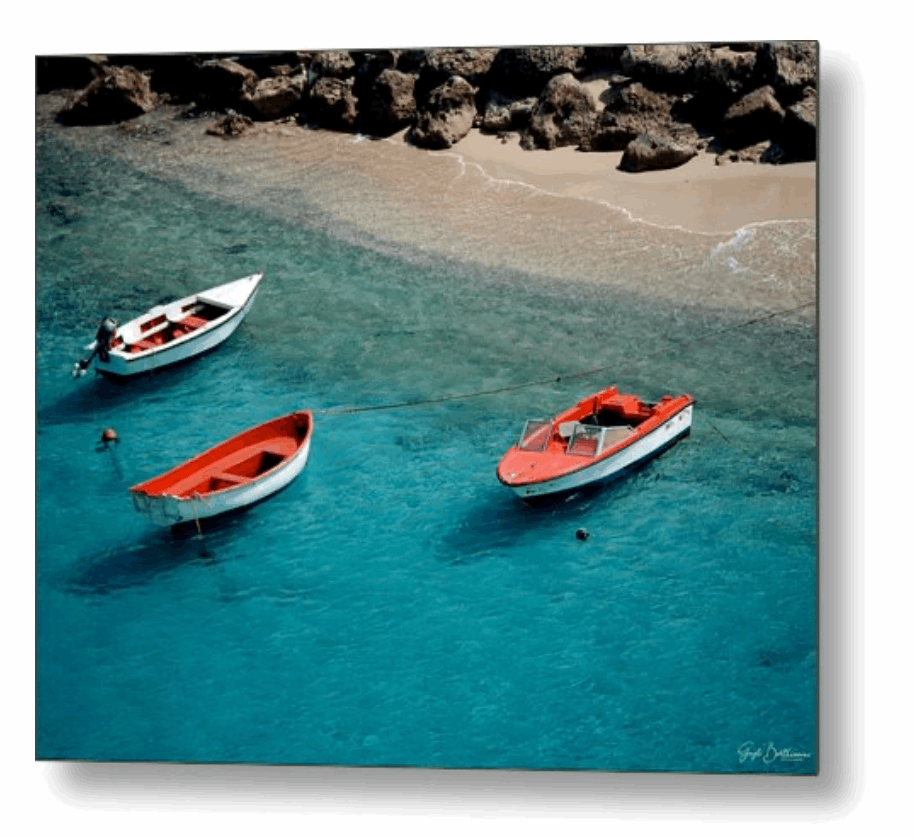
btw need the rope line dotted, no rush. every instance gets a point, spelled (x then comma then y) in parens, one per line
(339, 411)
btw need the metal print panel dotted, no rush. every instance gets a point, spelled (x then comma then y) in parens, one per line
(453, 242)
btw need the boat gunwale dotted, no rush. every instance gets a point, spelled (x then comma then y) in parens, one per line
(233, 311)
(138, 489)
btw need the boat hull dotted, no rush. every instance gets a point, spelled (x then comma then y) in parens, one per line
(638, 451)
(124, 365)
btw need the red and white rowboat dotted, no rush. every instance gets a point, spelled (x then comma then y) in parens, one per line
(239, 472)
(600, 437)
(167, 334)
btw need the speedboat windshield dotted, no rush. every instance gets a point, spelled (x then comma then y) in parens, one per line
(535, 435)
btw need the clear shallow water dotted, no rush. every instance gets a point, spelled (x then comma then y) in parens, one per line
(396, 605)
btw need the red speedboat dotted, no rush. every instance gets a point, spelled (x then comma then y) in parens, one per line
(599, 438)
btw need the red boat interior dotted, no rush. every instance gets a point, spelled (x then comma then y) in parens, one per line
(597, 426)
(235, 462)
(161, 329)
(576, 431)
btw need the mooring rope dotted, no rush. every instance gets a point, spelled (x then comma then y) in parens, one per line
(339, 411)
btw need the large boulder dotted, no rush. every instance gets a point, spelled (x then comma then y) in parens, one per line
(563, 115)
(629, 111)
(390, 103)
(651, 151)
(370, 65)
(121, 93)
(338, 64)
(447, 115)
(755, 117)
(725, 72)
(799, 133)
(665, 67)
(332, 103)
(440, 64)
(223, 83)
(789, 67)
(276, 96)
(525, 70)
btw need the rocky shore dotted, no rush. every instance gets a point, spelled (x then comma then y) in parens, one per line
(660, 105)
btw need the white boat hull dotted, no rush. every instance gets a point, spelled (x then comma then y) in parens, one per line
(240, 294)
(613, 465)
(170, 510)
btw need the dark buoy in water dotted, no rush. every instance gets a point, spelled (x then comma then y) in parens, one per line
(582, 534)
(109, 435)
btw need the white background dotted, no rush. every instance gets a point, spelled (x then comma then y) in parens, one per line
(865, 706)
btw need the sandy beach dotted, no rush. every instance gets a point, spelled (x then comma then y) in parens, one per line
(700, 196)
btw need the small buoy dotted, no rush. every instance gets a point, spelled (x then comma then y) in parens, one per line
(582, 534)
(109, 435)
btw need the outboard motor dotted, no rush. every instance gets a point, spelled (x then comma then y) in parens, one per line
(103, 337)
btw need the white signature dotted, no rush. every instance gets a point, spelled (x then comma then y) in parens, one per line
(769, 753)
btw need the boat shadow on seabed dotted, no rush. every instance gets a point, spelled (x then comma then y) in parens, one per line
(99, 395)
(140, 562)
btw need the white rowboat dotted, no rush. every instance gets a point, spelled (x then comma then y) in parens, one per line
(171, 333)
(236, 473)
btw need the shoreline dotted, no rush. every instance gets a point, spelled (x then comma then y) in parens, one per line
(561, 214)
(697, 197)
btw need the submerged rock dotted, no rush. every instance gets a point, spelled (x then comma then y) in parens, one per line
(231, 125)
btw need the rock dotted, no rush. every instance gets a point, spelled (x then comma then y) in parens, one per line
(332, 103)
(447, 115)
(525, 70)
(789, 67)
(725, 72)
(601, 58)
(175, 77)
(368, 66)
(391, 103)
(501, 113)
(337, 64)
(73, 72)
(223, 83)
(268, 64)
(563, 115)
(800, 131)
(121, 93)
(651, 151)
(276, 97)
(231, 125)
(629, 111)
(663, 67)
(440, 64)
(755, 117)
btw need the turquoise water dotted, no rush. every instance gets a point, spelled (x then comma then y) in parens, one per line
(396, 605)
